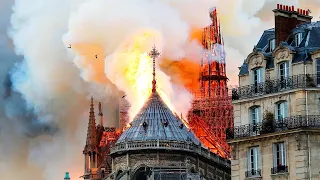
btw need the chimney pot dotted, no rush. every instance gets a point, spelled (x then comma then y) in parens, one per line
(292, 8)
(307, 12)
(278, 6)
(304, 12)
(289, 8)
(299, 11)
(281, 6)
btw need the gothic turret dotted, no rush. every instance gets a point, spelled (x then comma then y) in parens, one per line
(91, 149)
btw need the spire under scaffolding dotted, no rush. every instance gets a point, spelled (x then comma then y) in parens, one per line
(214, 106)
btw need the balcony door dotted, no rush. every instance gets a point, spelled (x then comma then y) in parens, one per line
(255, 120)
(281, 110)
(279, 154)
(257, 78)
(284, 74)
(255, 115)
(253, 162)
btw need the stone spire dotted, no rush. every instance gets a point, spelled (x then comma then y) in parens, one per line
(92, 131)
(154, 53)
(101, 115)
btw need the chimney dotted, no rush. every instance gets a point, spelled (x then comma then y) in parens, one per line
(286, 19)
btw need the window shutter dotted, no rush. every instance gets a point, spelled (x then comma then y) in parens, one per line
(285, 107)
(261, 75)
(276, 112)
(258, 115)
(284, 154)
(274, 152)
(249, 159)
(287, 72)
(257, 158)
(252, 76)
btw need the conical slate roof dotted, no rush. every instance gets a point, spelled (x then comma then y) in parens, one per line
(155, 121)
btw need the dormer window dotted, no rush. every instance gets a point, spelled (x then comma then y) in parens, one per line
(298, 38)
(272, 44)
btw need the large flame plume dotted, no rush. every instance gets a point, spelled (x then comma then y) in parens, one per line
(44, 114)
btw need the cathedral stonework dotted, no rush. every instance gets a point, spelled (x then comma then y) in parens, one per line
(156, 145)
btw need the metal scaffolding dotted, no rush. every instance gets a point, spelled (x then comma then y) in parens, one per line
(213, 105)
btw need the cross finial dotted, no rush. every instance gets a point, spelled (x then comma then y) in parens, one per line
(154, 53)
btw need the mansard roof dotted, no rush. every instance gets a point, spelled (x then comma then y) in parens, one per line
(309, 44)
(156, 121)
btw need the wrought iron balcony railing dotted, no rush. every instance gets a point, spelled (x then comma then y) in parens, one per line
(276, 85)
(279, 169)
(252, 173)
(270, 126)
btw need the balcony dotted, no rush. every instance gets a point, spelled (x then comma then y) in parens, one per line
(281, 169)
(271, 126)
(276, 85)
(253, 173)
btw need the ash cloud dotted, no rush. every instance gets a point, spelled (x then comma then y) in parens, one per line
(44, 88)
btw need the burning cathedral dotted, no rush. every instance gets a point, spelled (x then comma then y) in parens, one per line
(157, 144)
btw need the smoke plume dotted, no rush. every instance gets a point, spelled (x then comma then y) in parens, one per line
(45, 86)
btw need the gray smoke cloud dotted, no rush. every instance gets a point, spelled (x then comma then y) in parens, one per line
(44, 94)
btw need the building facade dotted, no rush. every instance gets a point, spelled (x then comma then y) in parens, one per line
(276, 132)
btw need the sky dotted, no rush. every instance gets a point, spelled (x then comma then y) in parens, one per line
(45, 87)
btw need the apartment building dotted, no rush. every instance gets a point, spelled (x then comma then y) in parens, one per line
(276, 132)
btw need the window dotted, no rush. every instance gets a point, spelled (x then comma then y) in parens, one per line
(257, 78)
(255, 115)
(298, 38)
(281, 110)
(284, 70)
(318, 71)
(257, 75)
(284, 74)
(253, 162)
(279, 158)
(279, 154)
(272, 44)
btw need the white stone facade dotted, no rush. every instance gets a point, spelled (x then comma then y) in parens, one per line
(301, 133)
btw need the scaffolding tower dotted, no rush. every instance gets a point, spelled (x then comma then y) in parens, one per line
(214, 106)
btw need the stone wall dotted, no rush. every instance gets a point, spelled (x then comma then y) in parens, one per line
(133, 161)
(297, 155)
(296, 100)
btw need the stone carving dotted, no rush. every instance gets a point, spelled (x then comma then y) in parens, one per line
(256, 61)
(282, 54)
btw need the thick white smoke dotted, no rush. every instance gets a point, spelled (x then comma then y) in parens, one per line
(55, 81)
